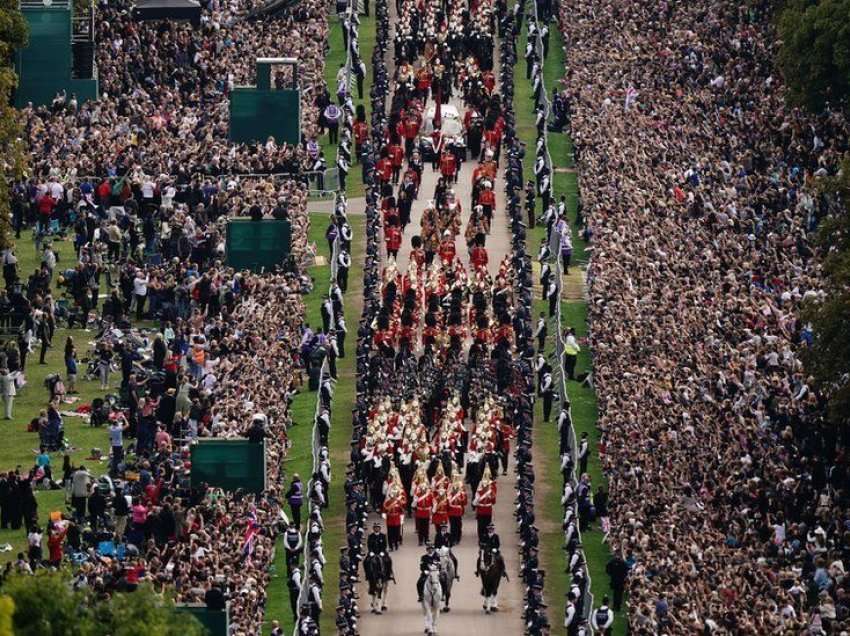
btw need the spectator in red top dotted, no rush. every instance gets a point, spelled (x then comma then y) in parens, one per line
(54, 544)
(104, 192)
(45, 210)
(132, 575)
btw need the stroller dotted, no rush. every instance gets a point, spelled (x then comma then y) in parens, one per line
(53, 383)
(99, 412)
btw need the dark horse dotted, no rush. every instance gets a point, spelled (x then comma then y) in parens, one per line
(491, 569)
(379, 572)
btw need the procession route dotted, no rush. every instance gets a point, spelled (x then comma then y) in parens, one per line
(404, 616)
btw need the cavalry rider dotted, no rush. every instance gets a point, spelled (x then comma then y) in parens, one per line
(491, 540)
(425, 562)
(443, 539)
(377, 541)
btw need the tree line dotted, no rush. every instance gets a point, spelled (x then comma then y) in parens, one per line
(814, 58)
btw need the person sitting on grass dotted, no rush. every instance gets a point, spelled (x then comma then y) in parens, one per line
(42, 461)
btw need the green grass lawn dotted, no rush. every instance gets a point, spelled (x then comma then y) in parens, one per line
(18, 446)
(335, 58)
(573, 314)
(299, 459)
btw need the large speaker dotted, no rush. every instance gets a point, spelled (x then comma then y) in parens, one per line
(83, 53)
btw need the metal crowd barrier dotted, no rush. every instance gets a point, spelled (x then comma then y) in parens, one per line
(555, 249)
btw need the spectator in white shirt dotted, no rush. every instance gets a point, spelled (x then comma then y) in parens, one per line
(140, 291)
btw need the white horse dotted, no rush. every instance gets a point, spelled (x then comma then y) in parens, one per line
(432, 599)
(447, 575)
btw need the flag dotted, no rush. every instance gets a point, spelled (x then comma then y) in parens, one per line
(251, 532)
(631, 97)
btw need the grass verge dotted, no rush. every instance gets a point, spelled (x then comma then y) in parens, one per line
(19, 446)
(299, 459)
(335, 58)
(574, 314)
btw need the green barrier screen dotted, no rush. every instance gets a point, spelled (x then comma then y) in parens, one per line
(256, 115)
(256, 244)
(44, 66)
(230, 464)
(214, 621)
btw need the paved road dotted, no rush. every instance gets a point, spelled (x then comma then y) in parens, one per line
(404, 616)
(466, 618)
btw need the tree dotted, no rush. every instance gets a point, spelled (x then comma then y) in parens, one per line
(828, 359)
(142, 613)
(815, 53)
(13, 36)
(46, 605)
(7, 608)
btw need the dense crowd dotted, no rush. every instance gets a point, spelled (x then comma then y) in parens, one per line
(164, 95)
(728, 488)
(144, 179)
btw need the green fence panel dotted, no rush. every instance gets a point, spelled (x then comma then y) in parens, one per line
(230, 464)
(44, 66)
(214, 621)
(257, 244)
(256, 115)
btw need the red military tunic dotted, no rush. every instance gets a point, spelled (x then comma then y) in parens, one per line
(447, 250)
(385, 168)
(396, 155)
(448, 164)
(457, 502)
(478, 256)
(361, 132)
(394, 509)
(422, 499)
(440, 512)
(487, 198)
(486, 496)
(411, 127)
(392, 236)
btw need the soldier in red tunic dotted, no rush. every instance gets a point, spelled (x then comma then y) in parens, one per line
(394, 506)
(485, 499)
(448, 166)
(458, 499)
(422, 501)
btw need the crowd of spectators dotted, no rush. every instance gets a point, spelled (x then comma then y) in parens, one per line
(143, 179)
(698, 192)
(164, 94)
